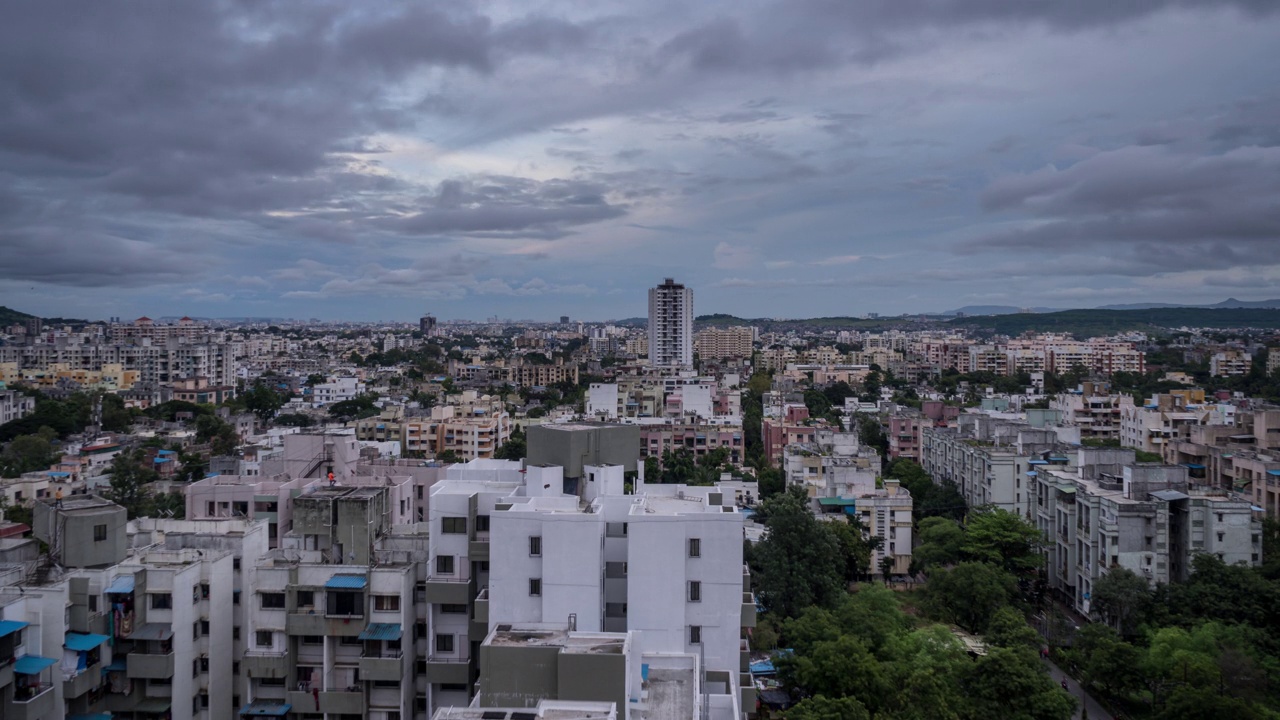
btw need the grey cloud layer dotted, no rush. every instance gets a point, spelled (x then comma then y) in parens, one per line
(439, 149)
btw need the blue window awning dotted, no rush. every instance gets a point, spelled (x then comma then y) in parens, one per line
(82, 642)
(116, 666)
(346, 582)
(1032, 473)
(32, 664)
(265, 709)
(1274, 472)
(122, 585)
(381, 631)
(1039, 462)
(59, 474)
(8, 627)
(1194, 466)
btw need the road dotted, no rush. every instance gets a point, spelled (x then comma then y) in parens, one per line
(1096, 711)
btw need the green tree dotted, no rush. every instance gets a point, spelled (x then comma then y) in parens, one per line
(263, 401)
(970, 594)
(799, 559)
(825, 708)
(448, 457)
(854, 549)
(1009, 629)
(1000, 537)
(222, 438)
(941, 543)
(129, 480)
(771, 481)
(1012, 684)
(26, 453)
(1106, 661)
(1120, 598)
(515, 448)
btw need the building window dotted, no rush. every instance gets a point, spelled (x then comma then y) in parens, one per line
(161, 601)
(444, 643)
(312, 639)
(695, 634)
(695, 547)
(306, 598)
(453, 525)
(482, 523)
(535, 545)
(453, 609)
(444, 564)
(535, 586)
(99, 533)
(387, 603)
(272, 601)
(695, 591)
(262, 638)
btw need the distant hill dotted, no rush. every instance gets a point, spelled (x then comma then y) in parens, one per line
(1088, 323)
(9, 316)
(1229, 303)
(999, 310)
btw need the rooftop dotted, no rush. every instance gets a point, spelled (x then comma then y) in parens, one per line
(570, 642)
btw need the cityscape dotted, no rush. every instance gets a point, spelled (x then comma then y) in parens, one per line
(786, 360)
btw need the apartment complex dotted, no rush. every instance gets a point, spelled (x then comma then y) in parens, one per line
(1227, 363)
(15, 405)
(671, 324)
(724, 343)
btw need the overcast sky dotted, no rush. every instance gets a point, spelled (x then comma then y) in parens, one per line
(361, 160)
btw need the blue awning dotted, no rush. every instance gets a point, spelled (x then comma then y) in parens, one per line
(381, 631)
(161, 460)
(1032, 473)
(260, 708)
(121, 585)
(346, 582)
(59, 474)
(1194, 466)
(1039, 462)
(8, 627)
(32, 664)
(77, 641)
(116, 666)
(166, 452)
(1274, 472)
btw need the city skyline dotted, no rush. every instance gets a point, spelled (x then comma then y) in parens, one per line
(371, 162)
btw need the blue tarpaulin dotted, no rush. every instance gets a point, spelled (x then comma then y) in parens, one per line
(346, 582)
(122, 584)
(1194, 466)
(381, 631)
(259, 709)
(32, 664)
(81, 643)
(8, 627)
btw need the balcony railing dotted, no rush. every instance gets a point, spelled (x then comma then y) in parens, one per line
(31, 692)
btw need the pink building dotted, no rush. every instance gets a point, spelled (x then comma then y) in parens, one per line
(697, 437)
(904, 437)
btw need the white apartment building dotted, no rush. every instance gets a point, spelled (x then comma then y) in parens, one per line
(1109, 512)
(671, 324)
(336, 390)
(15, 405)
(1230, 362)
(988, 460)
(724, 343)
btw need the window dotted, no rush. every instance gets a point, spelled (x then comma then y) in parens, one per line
(482, 523)
(535, 545)
(161, 601)
(535, 586)
(695, 634)
(452, 609)
(93, 599)
(444, 564)
(195, 631)
(235, 597)
(695, 591)
(695, 547)
(444, 643)
(306, 598)
(235, 633)
(272, 601)
(262, 638)
(235, 563)
(204, 664)
(312, 639)
(390, 603)
(99, 533)
(453, 687)
(453, 525)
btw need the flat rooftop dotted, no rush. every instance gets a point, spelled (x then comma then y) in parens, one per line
(665, 505)
(579, 643)
(84, 503)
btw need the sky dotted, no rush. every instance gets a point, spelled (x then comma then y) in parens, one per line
(788, 158)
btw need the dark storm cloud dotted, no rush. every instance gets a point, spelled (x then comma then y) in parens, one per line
(89, 259)
(503, 206)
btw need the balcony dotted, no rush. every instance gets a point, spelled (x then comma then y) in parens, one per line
(748, 610)
(450, 590)
(86, 680)
(744, 655)
(334, 625)
(140, 665)
(265, 664)
(747, 688)
(445, 669)
(478, 549)
(384, 666)
(340, 694)
(33, 702)
(746, 579)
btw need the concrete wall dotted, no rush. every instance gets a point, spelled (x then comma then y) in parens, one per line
(517, 676)
(76, 526)
(584, 445)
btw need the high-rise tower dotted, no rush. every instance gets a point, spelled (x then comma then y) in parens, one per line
(671, 324)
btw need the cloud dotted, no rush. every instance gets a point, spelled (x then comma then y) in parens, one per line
(731, 257)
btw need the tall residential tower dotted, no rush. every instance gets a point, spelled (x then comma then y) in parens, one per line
(671, 324)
